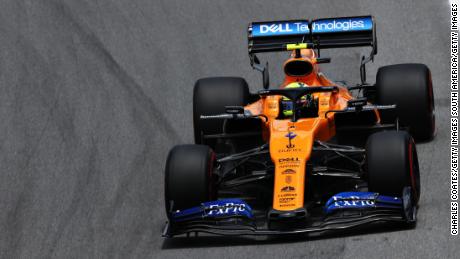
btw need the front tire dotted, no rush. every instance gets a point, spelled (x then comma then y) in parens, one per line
(392, 164)
(188, 177)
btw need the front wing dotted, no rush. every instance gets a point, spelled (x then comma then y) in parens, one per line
(343, 211)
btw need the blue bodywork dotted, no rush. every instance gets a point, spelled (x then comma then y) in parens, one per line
(361, 200)
(342, 25)
(215, 210)
(267, 29)
(304, 27)
(231, 208)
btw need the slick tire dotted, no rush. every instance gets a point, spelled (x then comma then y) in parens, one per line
(210, 96)
(188, 177)
(392, 164)
(410, 87)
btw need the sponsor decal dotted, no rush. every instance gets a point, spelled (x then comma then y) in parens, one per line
(280, 28)
(290, 162)
(319, 26)
(214, 209)
(352, 201)
(289, 166)
(287, 205)
(284, 195)
(287, 189)
(291, 135)
(288, 179)
(226, 209)
(289, 159)
(361, 200)
(285, 150)
(342, 25)
(288, 171)
(285, 200)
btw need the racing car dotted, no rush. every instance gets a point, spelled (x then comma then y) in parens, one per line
(308, 156)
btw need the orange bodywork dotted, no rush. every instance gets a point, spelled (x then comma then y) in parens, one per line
(291, 142)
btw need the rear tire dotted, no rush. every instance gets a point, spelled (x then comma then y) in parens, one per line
(188, 177)
(392, 164)
(409, 86)
(210, 97)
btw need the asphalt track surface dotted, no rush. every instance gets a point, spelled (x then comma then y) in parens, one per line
(93, 94)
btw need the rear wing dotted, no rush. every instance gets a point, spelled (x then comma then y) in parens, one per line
(341, 32)
(317, 34)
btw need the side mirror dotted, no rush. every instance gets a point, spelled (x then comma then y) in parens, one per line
(358, 104)
(234, 109)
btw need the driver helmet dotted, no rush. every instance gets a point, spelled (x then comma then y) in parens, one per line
(286, 103)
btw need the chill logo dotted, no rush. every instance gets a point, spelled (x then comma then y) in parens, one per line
(282, 28)
(340, 25)
(228, 208)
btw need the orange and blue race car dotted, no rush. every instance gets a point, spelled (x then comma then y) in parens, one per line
(308, 156)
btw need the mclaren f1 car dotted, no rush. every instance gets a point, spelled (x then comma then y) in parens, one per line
(309, 156)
